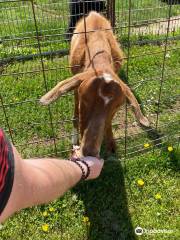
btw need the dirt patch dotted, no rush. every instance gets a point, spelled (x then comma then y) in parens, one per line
(119, 123)
(133, 126)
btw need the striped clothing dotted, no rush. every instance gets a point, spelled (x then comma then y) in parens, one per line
(6, 170)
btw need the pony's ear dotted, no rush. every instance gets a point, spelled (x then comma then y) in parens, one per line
(136, 108)
(134, 103)
(63, 87)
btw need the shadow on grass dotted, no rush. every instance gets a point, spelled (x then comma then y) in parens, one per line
(175, 160)
(106, 205)
(154, 135)
(174, 156)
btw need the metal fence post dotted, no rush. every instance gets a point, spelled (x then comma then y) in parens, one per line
(111, 12)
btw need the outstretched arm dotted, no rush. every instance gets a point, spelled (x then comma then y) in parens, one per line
(38, 181)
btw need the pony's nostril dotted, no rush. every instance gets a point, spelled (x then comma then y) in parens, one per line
(90, 152)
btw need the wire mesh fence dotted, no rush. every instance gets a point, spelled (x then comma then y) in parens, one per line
(34, 46)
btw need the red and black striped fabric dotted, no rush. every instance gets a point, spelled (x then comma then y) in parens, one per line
(6, 170)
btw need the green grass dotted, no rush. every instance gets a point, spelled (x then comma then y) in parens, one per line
(18, 29)
(143, 11)
(22, 105)
(30, 84)
(114, 203)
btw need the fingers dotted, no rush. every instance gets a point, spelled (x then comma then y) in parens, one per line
(95, 166)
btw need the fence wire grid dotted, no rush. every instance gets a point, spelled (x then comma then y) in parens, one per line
(34, 47)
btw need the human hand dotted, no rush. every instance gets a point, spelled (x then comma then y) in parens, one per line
(95, 164)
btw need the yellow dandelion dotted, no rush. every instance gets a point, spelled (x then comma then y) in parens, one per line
(140, 183)
(51, 209)
(45, 227)
(146, 145)
(85, 219)
(170, 148)
(45, 214)
(158, 196)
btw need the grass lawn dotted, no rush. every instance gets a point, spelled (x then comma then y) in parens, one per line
(143, 11)
(114, 203)
(34, 136)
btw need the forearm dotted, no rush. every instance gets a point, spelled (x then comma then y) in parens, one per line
(39, 181)
(49, 178)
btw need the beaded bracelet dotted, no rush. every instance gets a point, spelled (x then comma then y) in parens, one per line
(77, 160)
